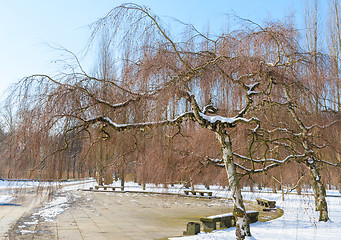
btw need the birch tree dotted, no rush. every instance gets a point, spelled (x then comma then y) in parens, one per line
(302, 135)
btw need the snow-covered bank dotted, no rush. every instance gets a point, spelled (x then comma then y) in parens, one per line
(5, 198)
(8, 188)
(17, 184)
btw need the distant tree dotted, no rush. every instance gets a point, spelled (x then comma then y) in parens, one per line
(334, 45)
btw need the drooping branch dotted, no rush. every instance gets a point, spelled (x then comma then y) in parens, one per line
(145, 125)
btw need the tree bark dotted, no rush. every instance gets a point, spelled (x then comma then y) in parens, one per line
(122, 179)
(319, 191)
(239, 212)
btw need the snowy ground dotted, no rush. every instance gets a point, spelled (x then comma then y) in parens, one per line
(299, 221)
(10, 192)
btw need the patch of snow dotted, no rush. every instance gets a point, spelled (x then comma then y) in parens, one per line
(25, 232)
(53, 208)
(35, 222)
(214, 119)
(251, 86)
(6, 198)
(252, 92)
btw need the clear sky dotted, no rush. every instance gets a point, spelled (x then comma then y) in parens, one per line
(28, 26)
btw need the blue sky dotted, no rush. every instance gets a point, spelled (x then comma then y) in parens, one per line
(28, 26)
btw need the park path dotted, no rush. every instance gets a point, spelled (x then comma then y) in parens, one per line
(127, 216)
(120, 216)
(25, 201)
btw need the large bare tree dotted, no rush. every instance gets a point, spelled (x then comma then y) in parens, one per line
(149, 79)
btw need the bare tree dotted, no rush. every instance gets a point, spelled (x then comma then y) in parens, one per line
(303, 136)
(148, 80)
(334, 49)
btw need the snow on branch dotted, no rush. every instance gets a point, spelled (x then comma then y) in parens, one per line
(274, 162)
(324, 126)
(329, 163)
(209, 109)
(217, 162)
(251, 88)
(259, 170)
(264, 160)
(121, 127)
(117, 105)
(229, 121)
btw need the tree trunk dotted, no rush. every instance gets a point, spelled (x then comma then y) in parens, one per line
(68, 169)
(239, 212)
(122, 179)
(74, 167)
(319, 191)
(274, 190)
(116, 175)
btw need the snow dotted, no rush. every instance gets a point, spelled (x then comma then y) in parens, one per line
(252, 92)
(5, 198)
(227, 214)
(299, 221)
(251, 86)
(214, 119)
(10, 184)
(53, 208)
(221, 215)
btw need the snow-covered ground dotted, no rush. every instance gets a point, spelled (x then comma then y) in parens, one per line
(62, 197)
(5, 198)
(299, 221)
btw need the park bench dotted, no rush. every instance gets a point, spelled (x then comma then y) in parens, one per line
(193, 228)
(226, 220)
(201, 193)
(104, 188)
(266, 203)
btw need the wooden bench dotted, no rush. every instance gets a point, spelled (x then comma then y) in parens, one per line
(226, 220)
(201, 193)
(266, 203)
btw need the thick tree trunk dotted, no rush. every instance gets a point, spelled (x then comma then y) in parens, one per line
(319, 191)
(239, 212)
